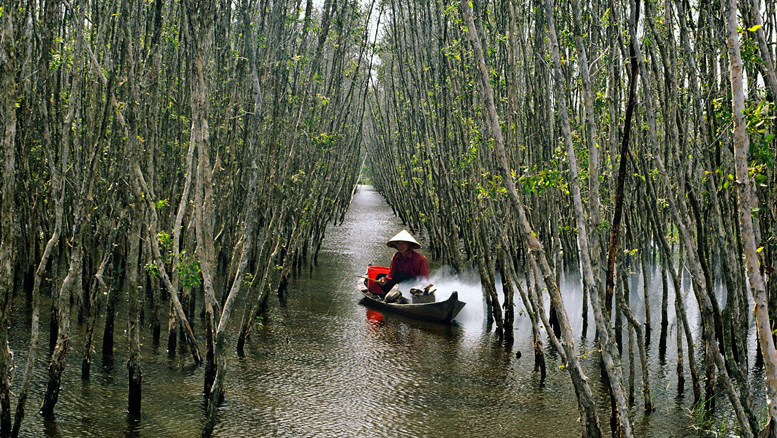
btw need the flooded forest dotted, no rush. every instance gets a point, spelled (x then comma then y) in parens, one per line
(173, 169)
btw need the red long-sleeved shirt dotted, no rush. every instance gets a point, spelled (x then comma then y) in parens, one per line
(414, 265)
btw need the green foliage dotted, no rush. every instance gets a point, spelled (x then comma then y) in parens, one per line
(760, 116)
(189, 271)
(493, 188)
(171, 34)
(759, 119)
(326, 140)
(152, 269)
(536, 182)
(748, 47)
(165, 240)
(247, 279)
(56, 59)
(722, 110)
(706, 421)
(723, 180)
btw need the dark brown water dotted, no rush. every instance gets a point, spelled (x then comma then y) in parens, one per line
(326, 366)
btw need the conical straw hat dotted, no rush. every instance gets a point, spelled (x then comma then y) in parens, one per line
(404, 236)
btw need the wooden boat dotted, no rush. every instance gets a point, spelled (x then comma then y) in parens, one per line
(441, 312)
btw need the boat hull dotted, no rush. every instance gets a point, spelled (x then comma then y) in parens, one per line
(440, 312)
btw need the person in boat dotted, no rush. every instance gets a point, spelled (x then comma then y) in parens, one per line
(406, 263)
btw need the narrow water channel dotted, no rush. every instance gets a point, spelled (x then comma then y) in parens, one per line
(326, 366)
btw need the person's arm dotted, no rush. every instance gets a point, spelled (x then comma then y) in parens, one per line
(392, 269)
(424, 271)
(392, 273)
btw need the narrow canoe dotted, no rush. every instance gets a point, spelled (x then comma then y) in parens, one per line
(440, 312)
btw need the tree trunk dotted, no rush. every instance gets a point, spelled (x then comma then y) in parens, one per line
(589, 419)
(9, 95)
(216, 391)
(98, 287)
(141, 190)
(73, 278)
(57, 362)
(199, 33)
(135, 374)
(609, 354)
(594, 214)
(133, 283)
(746, 203)
(625, 308)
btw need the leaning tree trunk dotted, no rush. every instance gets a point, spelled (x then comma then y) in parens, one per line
(616, 222)
(8, 93)
(588, 417)
(746, 203)
(593, 160)
(173, 319)
(152, 218)
(198, 25)
(98, 286)
(57, 362)
(132, 147)
(248, 237)
(679, 212)
(73, 277)
(682, 320)
(58, 193)
(625, 308)
(752, 15)
(134, 370)
(609, 353)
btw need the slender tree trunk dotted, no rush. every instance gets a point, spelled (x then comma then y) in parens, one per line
(664, 303)
(133, 282)
(110, 317)
(594, 214)
(144, 194)
(589, 418)
(746, 202)
(632, 368)
(91, 320)
(174, 319)
(73, 278)
(199, 26)
(8, 93)
(135, 373)
(622, 167)
(57, 362)
(751, 12)
(609, 354)
(645, 290)
(625, 308)
(248, 242)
